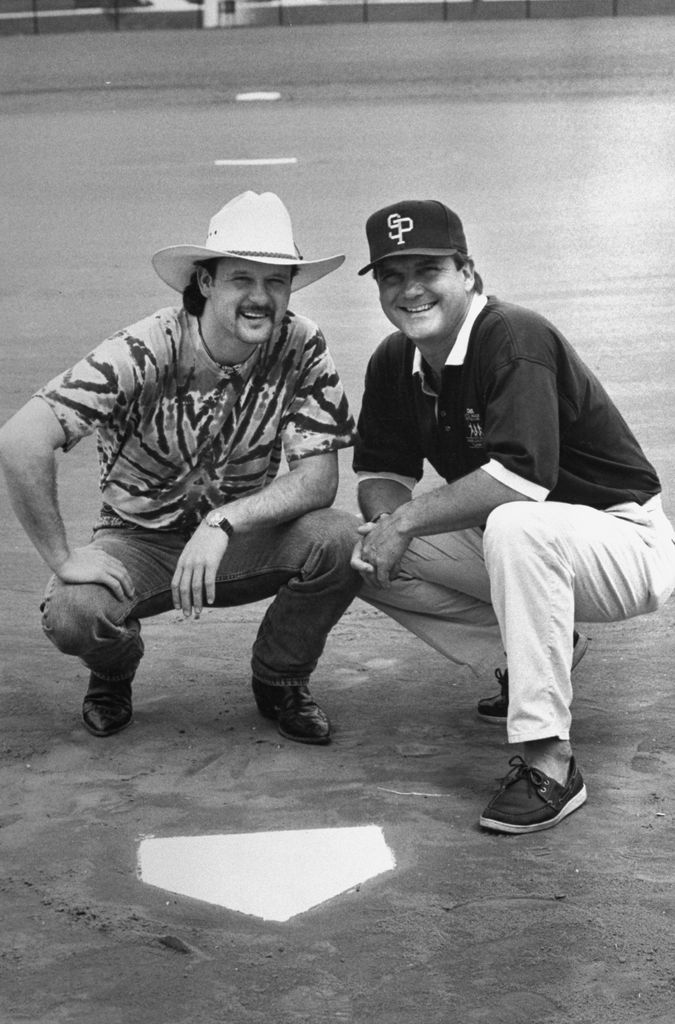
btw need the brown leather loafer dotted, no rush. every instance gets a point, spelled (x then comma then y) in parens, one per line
(295, 711)
(107, 707)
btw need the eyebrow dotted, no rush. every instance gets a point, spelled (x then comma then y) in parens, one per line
(417, 262)
(246, 271)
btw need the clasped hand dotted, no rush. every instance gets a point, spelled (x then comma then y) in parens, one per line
(377, 556)
(195, 575)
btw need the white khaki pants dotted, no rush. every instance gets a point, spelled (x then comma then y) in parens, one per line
(536, 569)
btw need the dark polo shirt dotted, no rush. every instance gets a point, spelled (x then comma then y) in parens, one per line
(522, 397)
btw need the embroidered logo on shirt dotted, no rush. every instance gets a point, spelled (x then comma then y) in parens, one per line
(474, 430)
(398, 227)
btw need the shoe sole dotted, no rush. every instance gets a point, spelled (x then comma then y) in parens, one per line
(492, 719)
(580, 648)
(318, 741)
(502, 826)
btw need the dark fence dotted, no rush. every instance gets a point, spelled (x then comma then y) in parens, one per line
(44, 16)
(21, 17)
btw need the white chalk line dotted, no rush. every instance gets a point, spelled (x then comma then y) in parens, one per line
(258, 162)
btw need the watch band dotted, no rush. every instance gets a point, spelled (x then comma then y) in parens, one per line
(226, 526)
(215, 518)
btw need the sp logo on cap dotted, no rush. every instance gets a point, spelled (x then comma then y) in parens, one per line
(398, 227)
(413, 226)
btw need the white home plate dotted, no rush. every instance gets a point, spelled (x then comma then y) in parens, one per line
(273, 875)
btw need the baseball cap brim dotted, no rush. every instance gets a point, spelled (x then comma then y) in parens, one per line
(409, 252)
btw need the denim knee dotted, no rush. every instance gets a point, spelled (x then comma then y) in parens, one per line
(79, 617)
(334, 534)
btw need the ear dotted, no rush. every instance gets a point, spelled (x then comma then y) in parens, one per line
(204, 280)
(468, 274)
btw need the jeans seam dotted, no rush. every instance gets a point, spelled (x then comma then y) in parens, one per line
(249, 575)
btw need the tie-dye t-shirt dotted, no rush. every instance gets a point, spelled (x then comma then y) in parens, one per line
(178, 434)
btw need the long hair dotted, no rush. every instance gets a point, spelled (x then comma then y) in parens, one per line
(193, 300)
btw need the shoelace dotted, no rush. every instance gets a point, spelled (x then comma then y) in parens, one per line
(503, 680)
(522, 770)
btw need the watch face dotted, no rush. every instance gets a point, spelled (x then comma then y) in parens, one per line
(218, 519)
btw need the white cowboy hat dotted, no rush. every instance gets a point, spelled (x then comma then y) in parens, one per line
(252, 227)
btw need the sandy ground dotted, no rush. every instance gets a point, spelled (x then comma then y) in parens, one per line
(555, 142)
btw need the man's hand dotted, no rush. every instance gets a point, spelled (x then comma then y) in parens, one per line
(91, 565)
(195, 575)
(377, 556)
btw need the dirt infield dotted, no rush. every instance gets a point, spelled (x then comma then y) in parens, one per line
(555, 143)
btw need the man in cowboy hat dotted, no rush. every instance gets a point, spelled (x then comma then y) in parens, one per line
(192, 407)
(549, 511)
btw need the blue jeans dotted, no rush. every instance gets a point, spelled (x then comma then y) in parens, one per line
(303, 564)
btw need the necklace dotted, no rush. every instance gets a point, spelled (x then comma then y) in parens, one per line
(208, 350)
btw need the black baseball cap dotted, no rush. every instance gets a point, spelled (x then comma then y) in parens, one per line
(415, 227)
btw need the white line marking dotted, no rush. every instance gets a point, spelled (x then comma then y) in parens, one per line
(402, 792)
(264, 162)
(258, 96)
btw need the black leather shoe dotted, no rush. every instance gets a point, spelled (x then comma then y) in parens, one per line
(495, 709)
(106, 708)
(295, 711)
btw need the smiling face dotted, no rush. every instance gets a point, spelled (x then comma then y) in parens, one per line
(427, 299)
(245, 303)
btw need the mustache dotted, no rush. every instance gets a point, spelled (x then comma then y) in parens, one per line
(261, 310)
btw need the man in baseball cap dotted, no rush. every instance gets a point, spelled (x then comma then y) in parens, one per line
(192, 407)
(549, 511)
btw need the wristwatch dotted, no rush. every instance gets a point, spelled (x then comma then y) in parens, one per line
(219, 519)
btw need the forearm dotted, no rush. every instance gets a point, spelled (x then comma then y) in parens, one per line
(28, 443)
(462, 504)
(31, 484)
(465, 503)
(310, 484)
(379, 494)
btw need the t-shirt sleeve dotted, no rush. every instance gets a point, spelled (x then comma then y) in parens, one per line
(317, 418)
(92, 392)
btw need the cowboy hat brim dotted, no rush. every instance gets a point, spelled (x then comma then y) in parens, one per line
(176, 263)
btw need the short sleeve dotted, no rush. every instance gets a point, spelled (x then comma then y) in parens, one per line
(522, 429)
(387, 432)
(90, 393)
(317, 418)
